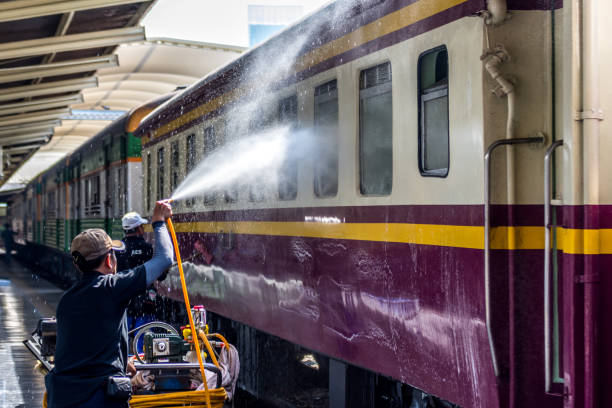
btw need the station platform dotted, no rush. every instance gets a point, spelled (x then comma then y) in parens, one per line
(24, 298)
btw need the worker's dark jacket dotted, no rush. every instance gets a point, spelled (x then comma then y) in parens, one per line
(137, 251)
(91, 335)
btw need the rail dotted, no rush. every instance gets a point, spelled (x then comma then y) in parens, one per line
(487, 233)
(547, 251)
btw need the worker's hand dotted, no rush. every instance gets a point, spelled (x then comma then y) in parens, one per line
(162, 211)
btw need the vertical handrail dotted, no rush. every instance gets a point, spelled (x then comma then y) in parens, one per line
(487, 233)
(547, 250)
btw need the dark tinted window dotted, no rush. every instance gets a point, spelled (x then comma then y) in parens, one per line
(174, 175)
(161, 168)
(210, 144)
(92, 196)
(433, 112)
(257, 185)
(326, 130)
(148, 182)
(375, 131)
(287, 177)
(190, 148)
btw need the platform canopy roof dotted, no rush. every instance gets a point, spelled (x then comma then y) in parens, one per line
(49, 53)
(63, 77)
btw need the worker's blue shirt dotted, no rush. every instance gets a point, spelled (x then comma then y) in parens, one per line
(92, 340)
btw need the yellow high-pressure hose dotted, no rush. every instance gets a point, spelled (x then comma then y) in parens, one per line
(195, 399)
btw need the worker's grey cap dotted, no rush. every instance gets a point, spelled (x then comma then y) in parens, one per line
(93, 243)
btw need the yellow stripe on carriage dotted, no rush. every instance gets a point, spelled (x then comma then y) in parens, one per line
(570, 241)
(397, 20)
(424, 234)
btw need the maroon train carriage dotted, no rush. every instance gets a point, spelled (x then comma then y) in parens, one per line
(442, 245)
(418, 252)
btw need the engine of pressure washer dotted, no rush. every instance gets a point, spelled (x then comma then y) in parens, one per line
(164, 348)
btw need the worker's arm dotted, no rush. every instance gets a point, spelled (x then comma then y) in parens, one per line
(163, 254)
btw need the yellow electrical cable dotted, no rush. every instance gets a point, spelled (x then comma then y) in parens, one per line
(194, 399)
(202, 336)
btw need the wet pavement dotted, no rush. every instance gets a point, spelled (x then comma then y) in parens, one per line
(24, 298)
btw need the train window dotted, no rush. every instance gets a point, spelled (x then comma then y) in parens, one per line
(326, 130)
(375, 130)
(174, 175)
(287, 177)
(120, 194)
(231, 192)
(209, 146)
(161, 168)
(256, 184)
(190, 148)
(92, 196)
(149, 186)
(51, 206)
(116, 190)
(433, 112)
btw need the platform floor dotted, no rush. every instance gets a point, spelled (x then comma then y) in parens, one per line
(24, 298)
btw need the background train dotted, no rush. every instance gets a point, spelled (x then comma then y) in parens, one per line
(405, 260)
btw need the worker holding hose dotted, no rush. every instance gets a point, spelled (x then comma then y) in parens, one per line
(91, 358)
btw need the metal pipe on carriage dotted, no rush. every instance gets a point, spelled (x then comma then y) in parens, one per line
(494, 59)
(591, 115)
(498, 10)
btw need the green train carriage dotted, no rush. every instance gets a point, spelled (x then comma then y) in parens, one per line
(91, 188)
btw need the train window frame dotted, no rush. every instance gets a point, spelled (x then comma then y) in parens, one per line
(290, 118)
(161, 165)
(93, 200)
(318, 100)
(438, 90)
(209, 145)
(149, 183)
(190, 159)
(174, 165)
(51, 204)
(366, 92)
(257, 188)
(118, 197)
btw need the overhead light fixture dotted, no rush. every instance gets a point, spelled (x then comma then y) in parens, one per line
(39, 104)
(33, 117)
(47, 88)
(57, 68)
(29, 127)
(34, 137)
(71, 42)
(92, 114)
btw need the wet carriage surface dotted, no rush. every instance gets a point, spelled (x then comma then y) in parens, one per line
(26, 297)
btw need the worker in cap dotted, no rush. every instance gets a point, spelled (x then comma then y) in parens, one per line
(142, 308)
(91, 357)
(137, 250)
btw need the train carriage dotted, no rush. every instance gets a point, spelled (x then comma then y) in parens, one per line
(445, 229)
(408, 243)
